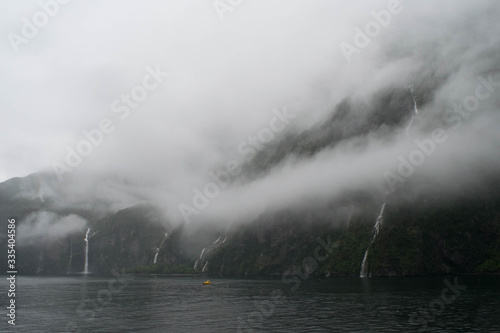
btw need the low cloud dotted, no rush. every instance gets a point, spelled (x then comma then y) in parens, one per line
(226, 77)
(48, 226)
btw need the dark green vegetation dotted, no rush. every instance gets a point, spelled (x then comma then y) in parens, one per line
(420, 235)
(423, 237)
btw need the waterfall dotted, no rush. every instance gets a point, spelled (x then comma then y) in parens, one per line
(86, 269)
(349, 218)
(198, 261)
(362, 273)
(164, 239)
(204, 269)
(409, 125)
(210, 248)
(70, 255)
(376, 230)
(202, 253)
(413, 98)
(155, 260)
(217, 240)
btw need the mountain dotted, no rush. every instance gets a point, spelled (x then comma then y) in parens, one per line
(425, 225)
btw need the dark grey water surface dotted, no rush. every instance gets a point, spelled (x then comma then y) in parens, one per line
(183, 304)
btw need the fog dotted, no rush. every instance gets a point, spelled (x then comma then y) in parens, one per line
(219, 82)
(47, 226)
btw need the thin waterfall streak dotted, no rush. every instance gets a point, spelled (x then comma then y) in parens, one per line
(155, 259)
(349, 218)
(86, 268)
(413, 98)
(409, 125)
(376, 230)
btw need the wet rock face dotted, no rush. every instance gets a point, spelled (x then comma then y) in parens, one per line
(415, 239)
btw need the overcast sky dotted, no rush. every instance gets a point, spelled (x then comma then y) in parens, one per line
(225, 77)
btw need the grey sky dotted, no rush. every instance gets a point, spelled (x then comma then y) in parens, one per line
(225, 78)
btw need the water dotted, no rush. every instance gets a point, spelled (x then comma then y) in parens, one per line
(210, 248)
(183, 304)
(376, 229)
(202, 253)
(155, 260)
(197, 262)
(409, 125)
(349, 217)
(86, 268)
(413, 98)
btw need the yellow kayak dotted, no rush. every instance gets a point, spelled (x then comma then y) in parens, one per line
(207, 282)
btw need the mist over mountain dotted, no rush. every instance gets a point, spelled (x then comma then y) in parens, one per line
(257, 139)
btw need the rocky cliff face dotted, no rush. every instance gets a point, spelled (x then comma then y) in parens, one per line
(420, 235)
(423, 237)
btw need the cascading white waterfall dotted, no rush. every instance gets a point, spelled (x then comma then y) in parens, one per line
(204, 269)
(413, 98)
(214, 245)
(198, 261)
(202, 253)
(376, 229)
(86, 268)
(155, 260)
(409, 125)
